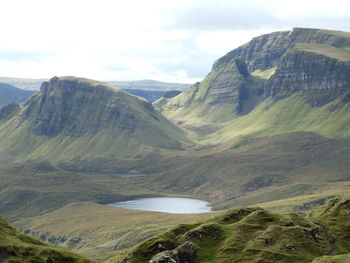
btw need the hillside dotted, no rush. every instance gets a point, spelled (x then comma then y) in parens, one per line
(79, 119)
(267, 77)
(10, 94)
(251, 235)
(16, 247)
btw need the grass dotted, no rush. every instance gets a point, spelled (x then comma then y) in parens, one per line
(288, 115)
(264, 74)
(247, 235)
(101, 231)
(17, 247)
(341, 54)
(118, 126)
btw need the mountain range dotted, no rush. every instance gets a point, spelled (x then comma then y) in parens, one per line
(268, 126)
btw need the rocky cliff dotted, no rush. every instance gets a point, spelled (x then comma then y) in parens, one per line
(273, 66)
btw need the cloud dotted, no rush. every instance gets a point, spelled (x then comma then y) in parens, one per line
(254, 14)
(23, 56)
(155, 39)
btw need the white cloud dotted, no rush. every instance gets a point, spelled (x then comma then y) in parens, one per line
(135, 39)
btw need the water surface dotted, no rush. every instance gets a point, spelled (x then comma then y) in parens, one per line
(172, 205)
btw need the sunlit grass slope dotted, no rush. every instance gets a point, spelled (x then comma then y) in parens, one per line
(16, 247)
(292, 114)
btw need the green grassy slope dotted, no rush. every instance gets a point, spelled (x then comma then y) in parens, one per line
(16, 247)
(78, 120)
(291, 114)
(247, 170)
(247, 235)
(341, 54)
(99, 231)
(256, 75)
(35, 188)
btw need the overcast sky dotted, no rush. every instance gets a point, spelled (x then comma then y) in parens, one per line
(174, 40)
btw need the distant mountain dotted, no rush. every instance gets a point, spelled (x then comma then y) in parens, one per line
(34, 84)
(10, 94)
(23, 83)
(149, 85)
(150, 95)
(151, 90)
(80, 119)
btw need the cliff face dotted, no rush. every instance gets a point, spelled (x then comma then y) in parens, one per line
(80, 107)
(269, 66)
(79, 118)
(265, 51)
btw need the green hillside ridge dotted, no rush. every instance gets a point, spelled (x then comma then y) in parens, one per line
(250, 235)
(79, 119)
(16, 247)
(269, 125)
(341, 54)
(257, 75)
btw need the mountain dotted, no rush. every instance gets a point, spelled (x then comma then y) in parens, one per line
(23, 83)
(10, 94)
(85, 121)
(277, 83)
(17, 247)
(150, 95)
(149, 85)
(252, 235)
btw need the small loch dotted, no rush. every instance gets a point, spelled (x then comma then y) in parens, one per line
(172, 205)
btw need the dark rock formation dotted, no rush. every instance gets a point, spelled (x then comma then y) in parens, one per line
(184, 253)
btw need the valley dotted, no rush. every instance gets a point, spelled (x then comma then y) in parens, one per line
(268, 127)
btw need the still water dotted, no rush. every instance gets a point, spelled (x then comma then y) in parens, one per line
(172, 205)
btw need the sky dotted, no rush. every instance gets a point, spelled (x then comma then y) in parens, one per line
(173, 41)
